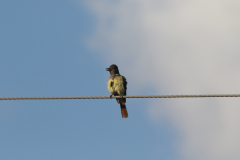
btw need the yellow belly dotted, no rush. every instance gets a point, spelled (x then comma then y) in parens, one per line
(117, 88)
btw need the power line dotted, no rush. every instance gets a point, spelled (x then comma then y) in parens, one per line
(108, 97)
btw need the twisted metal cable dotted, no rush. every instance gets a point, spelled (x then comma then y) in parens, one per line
(108, 97)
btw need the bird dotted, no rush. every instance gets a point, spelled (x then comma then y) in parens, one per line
(117, 86)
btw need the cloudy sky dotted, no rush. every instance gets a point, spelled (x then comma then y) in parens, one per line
(61, 48)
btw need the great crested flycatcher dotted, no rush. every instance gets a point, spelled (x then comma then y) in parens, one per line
(117, 86)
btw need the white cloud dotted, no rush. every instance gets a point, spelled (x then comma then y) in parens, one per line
(182, 47)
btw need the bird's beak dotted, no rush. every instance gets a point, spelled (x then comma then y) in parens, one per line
(107, 69)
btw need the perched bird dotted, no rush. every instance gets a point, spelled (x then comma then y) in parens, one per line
(117, 86)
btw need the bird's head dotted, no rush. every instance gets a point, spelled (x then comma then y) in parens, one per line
(113, 69)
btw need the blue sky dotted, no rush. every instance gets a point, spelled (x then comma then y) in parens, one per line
(62, 48)
(44, 53)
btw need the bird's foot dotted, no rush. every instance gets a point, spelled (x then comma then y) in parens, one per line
(111, 96)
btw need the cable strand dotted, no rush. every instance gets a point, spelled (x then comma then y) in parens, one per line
(108, 97)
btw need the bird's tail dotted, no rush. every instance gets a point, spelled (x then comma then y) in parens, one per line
(123, 110)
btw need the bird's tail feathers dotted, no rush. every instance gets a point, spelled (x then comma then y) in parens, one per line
(123, 110)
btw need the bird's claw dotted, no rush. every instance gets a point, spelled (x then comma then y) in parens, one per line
(111, 96)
